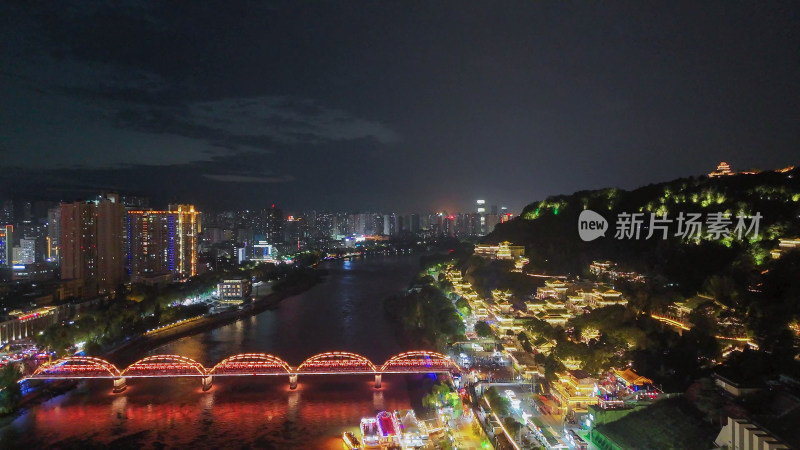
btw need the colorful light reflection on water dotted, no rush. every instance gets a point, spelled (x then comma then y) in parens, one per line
(262, 413)
(344, 313)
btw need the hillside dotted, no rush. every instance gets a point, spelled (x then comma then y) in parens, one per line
(671, 423)
(549, 228)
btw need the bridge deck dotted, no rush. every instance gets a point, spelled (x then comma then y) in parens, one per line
(250, 364)
(215, 375)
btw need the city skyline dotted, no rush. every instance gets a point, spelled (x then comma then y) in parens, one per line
(400, 224)
(358, 106)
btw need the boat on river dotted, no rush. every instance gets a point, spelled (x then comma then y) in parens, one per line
(370, 434)
(391, 431)
(350, 441)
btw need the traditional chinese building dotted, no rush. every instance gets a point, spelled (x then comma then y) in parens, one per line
(574, 391)
(504, 250)
(631, 380)
(723, 169)
(785, 245)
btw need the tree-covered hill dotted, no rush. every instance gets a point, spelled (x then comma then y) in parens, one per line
(549, 228)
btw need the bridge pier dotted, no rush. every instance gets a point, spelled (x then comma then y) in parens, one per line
(207, 382)
(293, 381)
(377, 381)
(119, 385)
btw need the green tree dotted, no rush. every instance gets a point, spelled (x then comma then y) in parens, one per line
(512, 425)
(10, 392)
(722, 289)
(431, 401)
(463, 306)
(483, 329)
(499, 404)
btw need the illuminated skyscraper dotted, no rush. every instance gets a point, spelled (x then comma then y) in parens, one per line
(273, 224)
(448, 225)
(324, 225)
(53, 233)
(91, 243)
(162, 242)
(387, 225)
(377, 223)
(482, 216)
(6, 244)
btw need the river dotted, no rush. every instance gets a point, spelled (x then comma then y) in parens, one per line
(345, 313)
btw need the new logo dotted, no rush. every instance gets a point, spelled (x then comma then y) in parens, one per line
(591, 225)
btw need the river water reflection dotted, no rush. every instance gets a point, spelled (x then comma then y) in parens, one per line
(343, 313)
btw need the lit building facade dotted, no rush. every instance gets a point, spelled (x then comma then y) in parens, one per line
(273, 225)
(33, 272)
(27, 324)
(91, 243)
(53, 233)
(6, 245)
(504, 250)
(481, 210)
(26, 252)
(785, 245)
(161, 242)
(574, 391)
(235, 290)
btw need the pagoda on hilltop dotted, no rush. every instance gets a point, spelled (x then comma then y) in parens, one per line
(723, 169)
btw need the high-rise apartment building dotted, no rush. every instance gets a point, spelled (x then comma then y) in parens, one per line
(273, 223)
(53, 233)
(377, 223)
(6, 245)
(91, 243)
(414, 224)
(26, 252)
(324, 225)
(7, 212)
(482, 216)
(162, 242)
(491, 221)
(296, 232)
(448, 225)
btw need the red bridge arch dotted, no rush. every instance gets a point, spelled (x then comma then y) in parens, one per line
(337, 362)
(165, 366)
(417, 361)
(77, 366)
(252, 364)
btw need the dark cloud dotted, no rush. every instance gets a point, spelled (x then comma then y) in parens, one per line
(249, 178)
(389, 105)
(259, 122)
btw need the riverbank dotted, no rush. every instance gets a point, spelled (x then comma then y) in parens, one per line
(424, 317)
(132, 350)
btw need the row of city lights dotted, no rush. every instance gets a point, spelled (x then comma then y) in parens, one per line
(173, 324)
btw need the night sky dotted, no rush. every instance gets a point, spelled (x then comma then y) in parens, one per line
(389, 106)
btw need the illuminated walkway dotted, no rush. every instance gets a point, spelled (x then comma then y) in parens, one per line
(247, 364)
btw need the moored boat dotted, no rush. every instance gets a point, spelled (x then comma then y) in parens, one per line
(370, 434)
(350, 440)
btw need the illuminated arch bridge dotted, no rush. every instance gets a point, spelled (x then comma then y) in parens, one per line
(246, 364)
